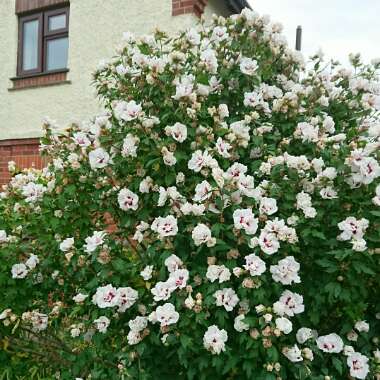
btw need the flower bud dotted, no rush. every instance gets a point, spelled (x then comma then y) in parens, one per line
(267, 331)
(307, 353)
(211, 260)
(248, 283)
(267, 343)
(260, 309)
(267, 317)
(189, 302)
(197, 308)
(104, 257)
(254, 333)
(237, 271)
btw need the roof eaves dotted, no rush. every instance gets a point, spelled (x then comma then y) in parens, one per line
(236, 6)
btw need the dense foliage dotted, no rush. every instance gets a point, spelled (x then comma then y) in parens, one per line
(219, 221)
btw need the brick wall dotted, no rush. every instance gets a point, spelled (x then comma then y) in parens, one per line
(23, 151)
(40, 80)
(180, 7)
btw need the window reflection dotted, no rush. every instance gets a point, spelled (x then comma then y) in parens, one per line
(30, 48)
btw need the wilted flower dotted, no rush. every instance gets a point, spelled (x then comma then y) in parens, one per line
(146, 273)
(102, 324)
(66, 244)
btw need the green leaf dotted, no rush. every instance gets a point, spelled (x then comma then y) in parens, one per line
(337, 365)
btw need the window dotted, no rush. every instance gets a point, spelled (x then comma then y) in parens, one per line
(43, 42)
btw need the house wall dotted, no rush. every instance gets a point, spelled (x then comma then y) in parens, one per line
(95, 28)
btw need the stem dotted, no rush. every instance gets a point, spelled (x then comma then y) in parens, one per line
(57, 342)
(18, 344)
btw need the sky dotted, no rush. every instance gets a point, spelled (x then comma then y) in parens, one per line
(338, 27)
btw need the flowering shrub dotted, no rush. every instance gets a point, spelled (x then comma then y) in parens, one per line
(220, 220)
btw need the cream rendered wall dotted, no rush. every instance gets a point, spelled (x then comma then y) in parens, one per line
(96, 26)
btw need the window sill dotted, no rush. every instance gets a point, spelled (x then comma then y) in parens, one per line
(39, 80)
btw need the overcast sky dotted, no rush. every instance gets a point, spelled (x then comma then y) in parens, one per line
(338, 27)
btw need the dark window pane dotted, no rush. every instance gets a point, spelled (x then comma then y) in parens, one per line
(57, 51)
(57, 22)
(30, 45)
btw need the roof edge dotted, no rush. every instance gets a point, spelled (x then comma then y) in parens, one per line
(236, 6)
